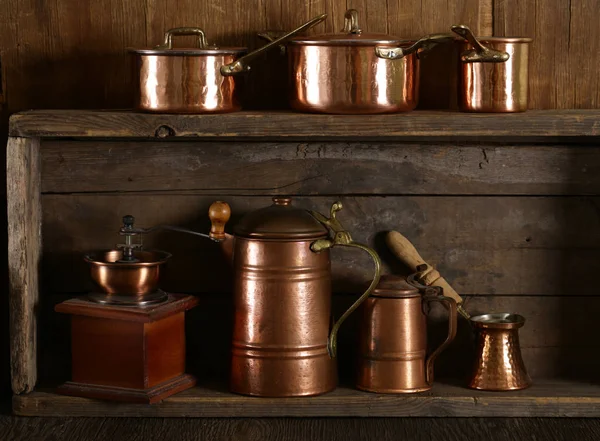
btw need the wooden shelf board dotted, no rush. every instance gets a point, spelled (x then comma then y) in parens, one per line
(551, 398)
(543, 124)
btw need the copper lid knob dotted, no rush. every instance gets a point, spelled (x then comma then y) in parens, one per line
(282, 200)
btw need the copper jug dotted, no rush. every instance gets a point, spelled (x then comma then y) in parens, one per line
(283, 345)
(393, 337)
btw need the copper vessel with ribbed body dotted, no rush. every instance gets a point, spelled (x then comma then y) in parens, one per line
(283, 341)
(393, 338)
(498, 365)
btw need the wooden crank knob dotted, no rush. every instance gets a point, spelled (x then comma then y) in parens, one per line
(218, 213)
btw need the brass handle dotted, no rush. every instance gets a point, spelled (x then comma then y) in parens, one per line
(421, 46)
(168, 41)
(351, 22)
(480, 53)
(241, 64)
(343, 238)
(452, 318)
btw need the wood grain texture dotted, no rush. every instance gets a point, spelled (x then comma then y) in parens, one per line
(540, 125)
(294, 429)
(302, 168)
(565, 52)
(24, 248)
(482, 245)
(548, 399)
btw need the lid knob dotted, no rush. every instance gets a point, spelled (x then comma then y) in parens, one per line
(282, 200)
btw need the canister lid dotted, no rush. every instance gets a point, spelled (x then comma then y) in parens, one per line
(351, 35)
(395, 287)
(280, 221)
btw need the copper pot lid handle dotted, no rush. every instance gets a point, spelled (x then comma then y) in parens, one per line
(480, 53)
(351, 22)
(168, 41)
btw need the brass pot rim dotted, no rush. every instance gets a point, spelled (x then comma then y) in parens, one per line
(99, 258)
(498, 320)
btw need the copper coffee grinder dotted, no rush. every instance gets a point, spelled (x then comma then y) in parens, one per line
(128, 338)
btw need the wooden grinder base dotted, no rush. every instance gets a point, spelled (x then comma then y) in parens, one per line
(124, 353)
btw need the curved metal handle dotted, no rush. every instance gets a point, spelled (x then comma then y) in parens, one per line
(351, 22)
(168, 41)
(452, 319)
(343, 238)
(241, 64)
(480, 53)
(424, 44)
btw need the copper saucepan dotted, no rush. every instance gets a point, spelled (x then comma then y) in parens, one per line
(493, 72)
(195, 80)
(355, 72)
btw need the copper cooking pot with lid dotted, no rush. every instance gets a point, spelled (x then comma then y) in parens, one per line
(354, 71)
(283, 341)
(195, 80)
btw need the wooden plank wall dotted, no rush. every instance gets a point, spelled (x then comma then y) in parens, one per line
(71, 53)
(508, 237)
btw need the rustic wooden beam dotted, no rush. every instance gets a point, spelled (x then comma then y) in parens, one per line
(543, 125)
(24, 249)
(544, 399)
(312, 168)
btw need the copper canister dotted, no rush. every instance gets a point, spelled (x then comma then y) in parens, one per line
(283, 341)
(498, 364)
(491, 86)
(393, 337)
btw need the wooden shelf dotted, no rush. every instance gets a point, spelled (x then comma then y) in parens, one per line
(542, 124)
(556, 398)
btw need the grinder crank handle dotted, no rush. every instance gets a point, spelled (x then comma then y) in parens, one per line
(404, 250)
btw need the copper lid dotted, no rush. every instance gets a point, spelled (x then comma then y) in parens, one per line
(280, 221)
(394, 287)
(351, 35)
(203, 47)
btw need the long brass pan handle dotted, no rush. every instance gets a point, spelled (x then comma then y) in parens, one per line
(480, 53)
(241, 64)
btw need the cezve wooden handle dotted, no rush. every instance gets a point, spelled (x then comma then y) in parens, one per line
(408, 254)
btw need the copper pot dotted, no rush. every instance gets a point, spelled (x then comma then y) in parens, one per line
(493, 72)
(393, 337)
(354, 72)
(198, 80)
(283, 344)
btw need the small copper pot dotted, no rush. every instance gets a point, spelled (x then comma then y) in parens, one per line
(355, 72)
(493, 73)
(393, 337)
(198, 80)
(498, 364)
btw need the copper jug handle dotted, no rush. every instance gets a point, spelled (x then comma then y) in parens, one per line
(343, 238)
(435, 294)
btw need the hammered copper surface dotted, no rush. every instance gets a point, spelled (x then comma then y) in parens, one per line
(351, 79)
(185, 83)
(393, 339)
(495, 87)
(126, 278)
(498, 364)
(282, 302)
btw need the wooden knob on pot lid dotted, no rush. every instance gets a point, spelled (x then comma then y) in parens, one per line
(218, 213)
